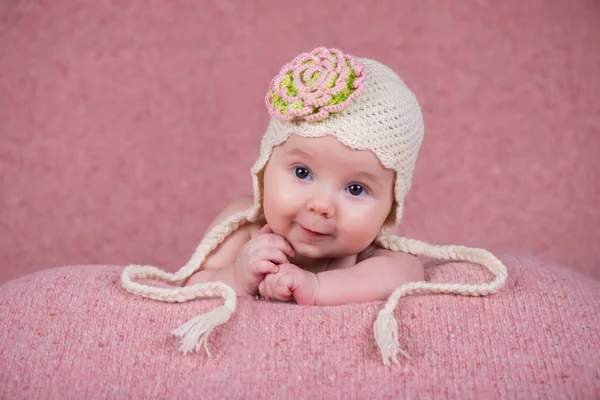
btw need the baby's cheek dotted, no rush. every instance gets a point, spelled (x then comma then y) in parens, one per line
(279, 212)
(358, 233)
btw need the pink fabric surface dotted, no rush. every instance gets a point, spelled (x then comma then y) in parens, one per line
(126, 126)
(73, 332)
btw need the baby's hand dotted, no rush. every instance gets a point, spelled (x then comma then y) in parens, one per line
(260, 256)
(291, 282)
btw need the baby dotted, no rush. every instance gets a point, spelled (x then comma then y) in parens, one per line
(324, 203)
(335, 164)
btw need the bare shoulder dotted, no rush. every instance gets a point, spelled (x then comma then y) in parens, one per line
(227, 251)
(412, 265)
(237, 205)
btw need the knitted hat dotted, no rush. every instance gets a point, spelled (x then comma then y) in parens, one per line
(366, 106)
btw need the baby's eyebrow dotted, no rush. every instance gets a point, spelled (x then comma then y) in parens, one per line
(364, 175)
(298, 152)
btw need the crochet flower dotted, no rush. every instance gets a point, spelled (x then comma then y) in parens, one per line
(314, 85)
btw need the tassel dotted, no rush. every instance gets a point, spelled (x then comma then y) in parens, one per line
(386, 336)
(194, 333)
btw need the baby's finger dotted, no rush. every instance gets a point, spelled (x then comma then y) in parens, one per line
(274, 290)
(285, 281)
(267, 285)
(282, 292)
(273, 240)
(272, 254)
(288, 249)
(263, 267)
(262, 289)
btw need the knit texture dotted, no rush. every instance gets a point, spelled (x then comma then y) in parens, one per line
(384, 118)
(75, 333)
(314, 85)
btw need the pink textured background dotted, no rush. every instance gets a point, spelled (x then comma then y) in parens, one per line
(126, 126)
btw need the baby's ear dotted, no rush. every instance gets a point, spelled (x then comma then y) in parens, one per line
(390, 219)
(261, 188)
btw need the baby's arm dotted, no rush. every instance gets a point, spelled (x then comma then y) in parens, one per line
(242, 261)
(218, 265)
(372, 279)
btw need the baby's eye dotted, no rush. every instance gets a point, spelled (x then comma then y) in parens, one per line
(302, 173)
(356, 190)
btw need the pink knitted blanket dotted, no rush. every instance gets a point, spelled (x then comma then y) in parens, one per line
(74, 332)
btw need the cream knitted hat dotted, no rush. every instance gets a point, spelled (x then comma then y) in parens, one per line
(366, 106)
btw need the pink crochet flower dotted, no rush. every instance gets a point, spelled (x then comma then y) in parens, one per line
(314, 85)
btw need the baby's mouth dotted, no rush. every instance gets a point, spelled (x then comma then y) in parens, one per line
(315, 234)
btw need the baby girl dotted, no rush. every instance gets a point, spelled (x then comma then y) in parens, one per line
(335, 164)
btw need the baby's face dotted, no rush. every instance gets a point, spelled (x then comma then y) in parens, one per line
(326, 199)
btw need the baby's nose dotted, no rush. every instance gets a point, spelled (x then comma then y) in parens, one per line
(322, 204)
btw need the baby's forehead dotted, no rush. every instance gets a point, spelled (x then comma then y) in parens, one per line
(329, 150)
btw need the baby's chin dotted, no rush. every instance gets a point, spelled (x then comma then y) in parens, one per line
(327, 249)
(315, 253)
